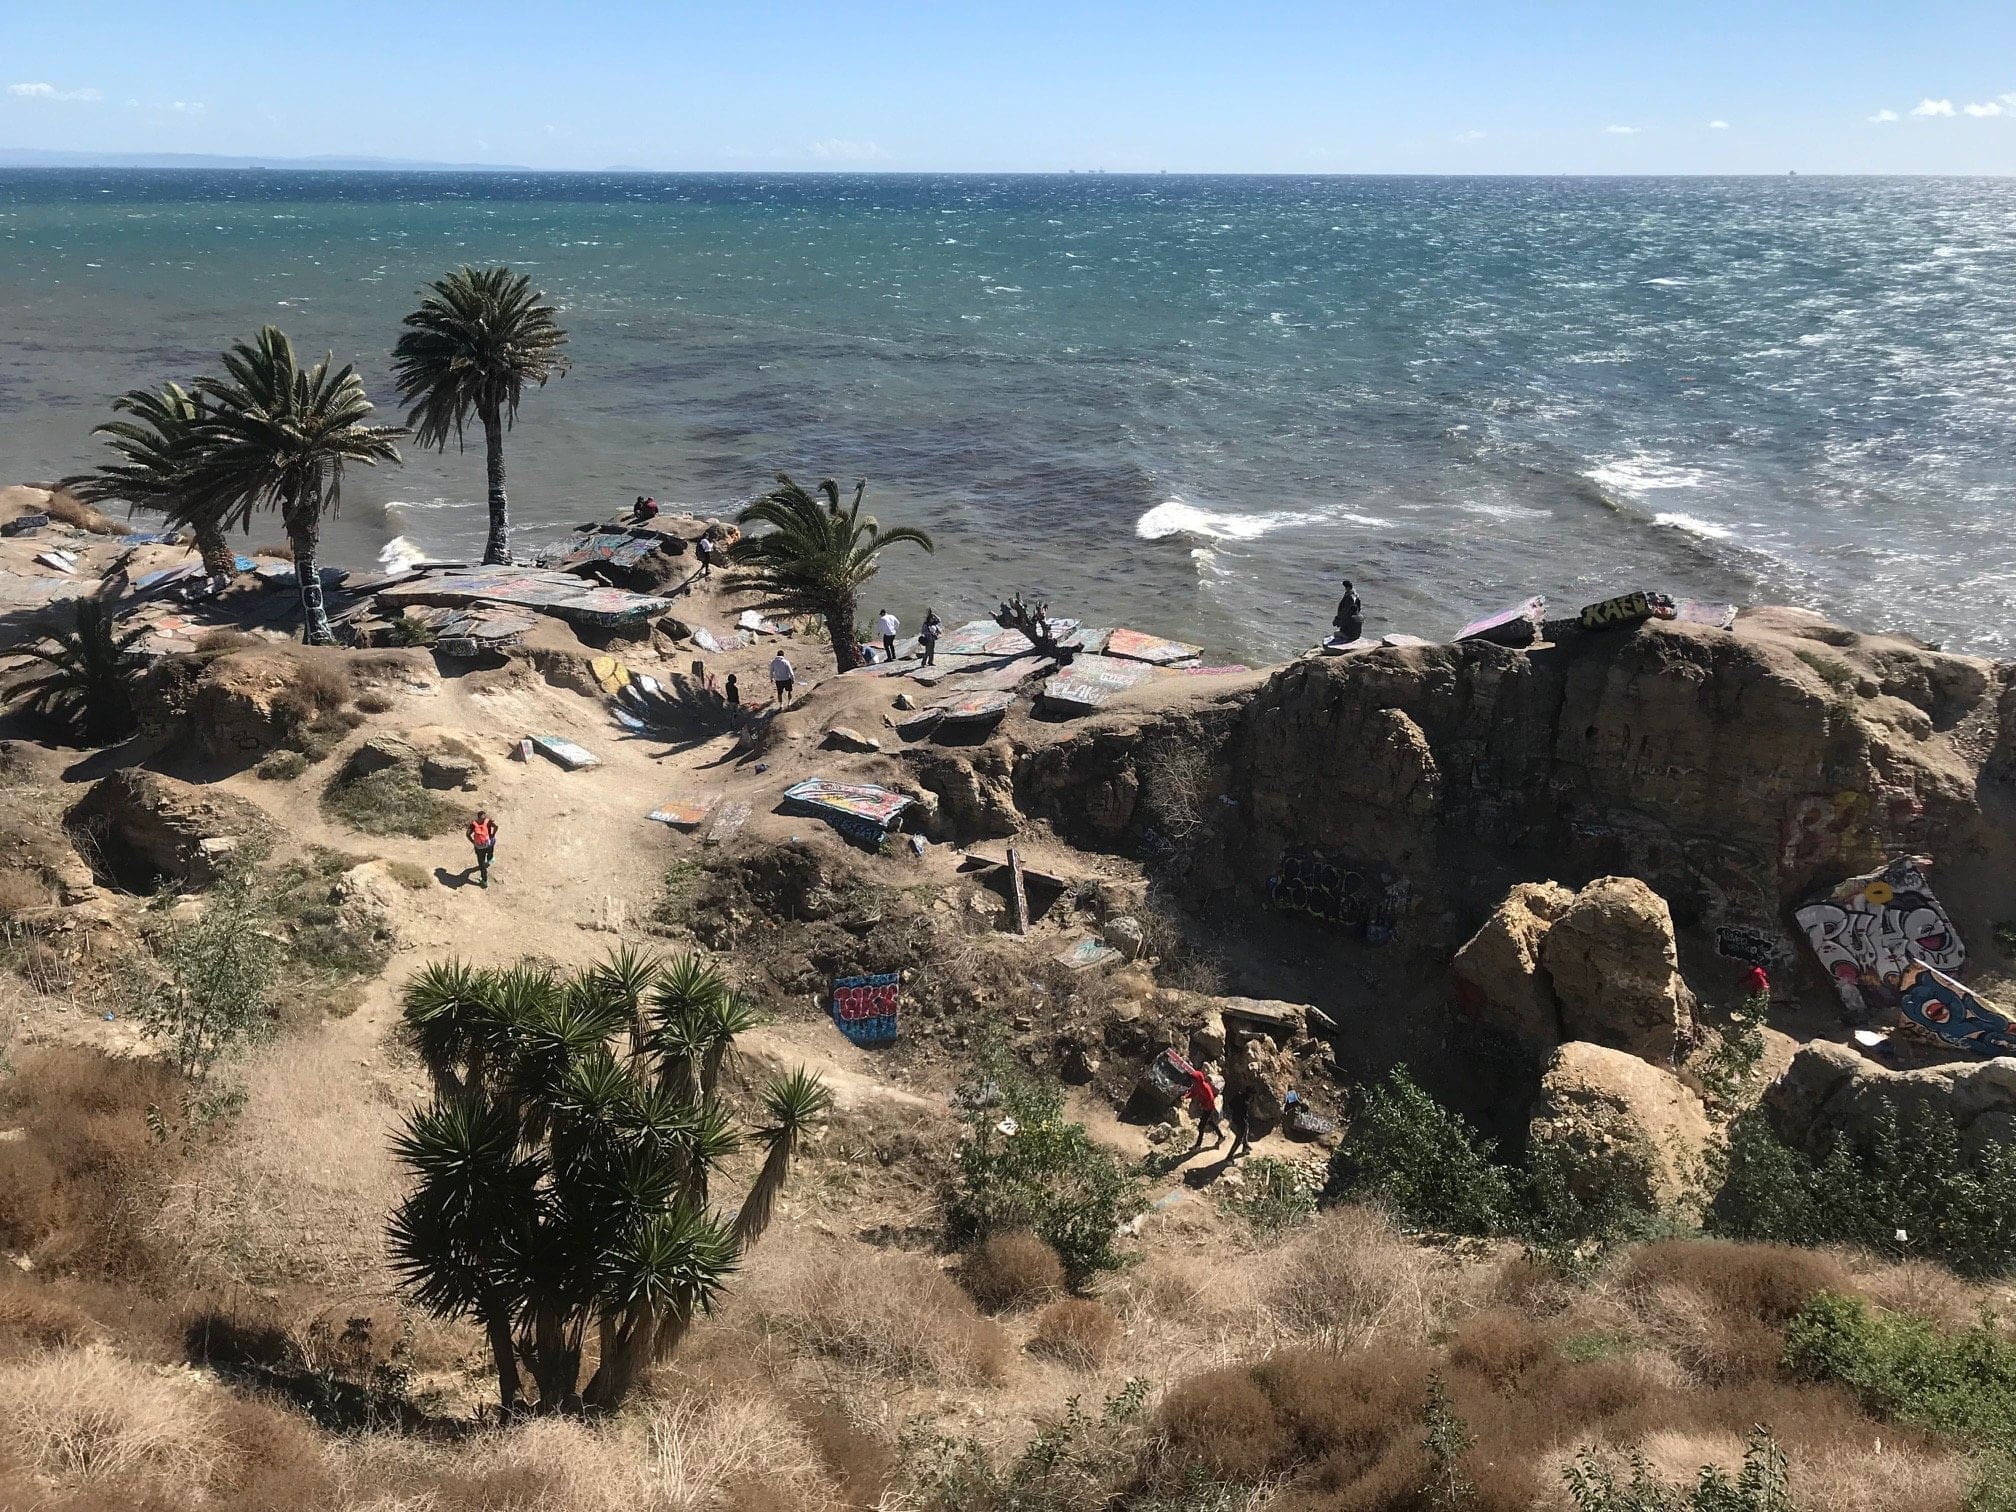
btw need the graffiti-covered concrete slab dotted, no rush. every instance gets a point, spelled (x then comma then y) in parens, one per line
(1871, 929)
(1090, 683)
(559, 594)
(1156, 650)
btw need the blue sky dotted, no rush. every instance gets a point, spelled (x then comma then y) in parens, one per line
(1630, 87)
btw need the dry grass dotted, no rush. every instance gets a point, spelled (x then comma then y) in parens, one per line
(1010, 1271)
(34, 1319)
(1078, 1332)
(299, 1191)
(376, 702)
(21, 892)
(1349, 1277)
(224, 638)
(883, 1314)
(1721, 1309)
(66, 507)
(85, 1419)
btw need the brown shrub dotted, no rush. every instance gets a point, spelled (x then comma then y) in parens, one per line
(1079, 1332)
(21, 892)
(1011, 1270)
(1348, 1277)
(78, 1189)
(375, 702)
(1220, 1426)
(71, 510)
(1721, 1309)
(1498, 1345)
(33, 1318)
(223, 638)
(895, 1315)
(320, 685)
(89, 1420)
(43, 967)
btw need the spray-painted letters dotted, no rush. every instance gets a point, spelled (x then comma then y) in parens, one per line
(1871, 929)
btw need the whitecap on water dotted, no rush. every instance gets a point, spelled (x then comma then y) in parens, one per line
(400, 553)
(1176, 517)
(1689, 525)
(1643, 474)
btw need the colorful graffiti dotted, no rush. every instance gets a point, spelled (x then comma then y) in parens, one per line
(1365, 900)
(1847, 826)
(858, 810)
(1625, 609)
(865, 1007)
(1516, 626)
(1872, 929)
(1934, 1001)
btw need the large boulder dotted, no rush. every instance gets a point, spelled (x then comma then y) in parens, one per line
(366, 903)
(1615, 971)
(245, 702)
(1620, 1127)
(1498, 973)
(142, 828)
(1832, 1092)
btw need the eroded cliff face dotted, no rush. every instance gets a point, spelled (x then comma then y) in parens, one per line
(1400, 794)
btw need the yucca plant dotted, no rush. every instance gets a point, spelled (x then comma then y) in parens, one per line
(89, 683)
(815, 558)
(479, 337)
(561, 1190)
(794, 1103)
(276, 435)
(627, 976)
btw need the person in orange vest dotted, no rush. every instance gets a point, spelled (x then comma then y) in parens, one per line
(482, 833)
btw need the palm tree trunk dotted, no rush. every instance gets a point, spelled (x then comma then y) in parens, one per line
(840, 628)
(304, 532)
(498, 547)
(218, 559)
(761, 1203)
(505, 1357)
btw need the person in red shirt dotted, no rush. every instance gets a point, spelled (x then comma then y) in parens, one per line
(482, 833)
(1204, 1103)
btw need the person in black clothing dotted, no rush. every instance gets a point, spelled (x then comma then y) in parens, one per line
(1238, 1107)
(927, 637)
(1350, 620)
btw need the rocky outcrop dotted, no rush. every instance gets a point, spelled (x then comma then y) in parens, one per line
(1615, 971)
(1617, 1127)
(366, 901)
(242, 703)
(140, 828)
(1832, 1092)
(1498, 972)
(975, 796)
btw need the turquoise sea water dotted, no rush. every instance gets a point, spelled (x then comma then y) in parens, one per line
(1184, 403)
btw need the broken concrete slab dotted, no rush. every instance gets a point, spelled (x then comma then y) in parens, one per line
(1091, 682)
(1088, 953)
(559, 594)
(564, 752)
(683, 813)
(1156, 650)
(975, 707)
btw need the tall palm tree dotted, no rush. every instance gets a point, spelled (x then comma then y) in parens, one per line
(276, 435)
(89, 684)
(477, 339)
(794, 1103)
(815, 558)
(154, 451)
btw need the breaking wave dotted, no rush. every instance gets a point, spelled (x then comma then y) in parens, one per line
(1174, 517)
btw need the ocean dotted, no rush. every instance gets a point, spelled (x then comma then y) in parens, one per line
(1188, 404)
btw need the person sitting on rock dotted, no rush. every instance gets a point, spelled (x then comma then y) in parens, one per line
(1350, 620)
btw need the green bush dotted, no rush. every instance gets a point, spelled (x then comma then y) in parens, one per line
(1910, 1188)
(1962, 1385)
(1425, 1165)
(1278, 1195)
(392, 802)
(1760, 1486)
(204, 989)
(1023, 1165)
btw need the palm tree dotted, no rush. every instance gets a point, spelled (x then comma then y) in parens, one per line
(154, 449)
(477, 339)
(794, 1103)
(89, 684)
(276, 435)
(815, 558)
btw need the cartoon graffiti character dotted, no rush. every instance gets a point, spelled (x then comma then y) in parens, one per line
(1871, 929)
(1934, 1001)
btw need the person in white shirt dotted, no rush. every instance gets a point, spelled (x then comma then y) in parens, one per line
(886, 627)
(784, 676)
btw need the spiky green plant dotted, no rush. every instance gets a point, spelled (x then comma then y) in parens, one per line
(275, 435)
(561, 1190)
(794, 1103)
(815, 557)
(627, 976)
(479, 337)
(90, 678)
(153, 450)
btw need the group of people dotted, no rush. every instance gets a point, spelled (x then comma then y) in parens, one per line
(888, 627)
(1213, 1113)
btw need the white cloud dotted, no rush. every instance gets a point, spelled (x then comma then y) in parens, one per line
(1932, 108)
(1883, 117)
(839, 150)
(51, 92)
(1718, 125)
(188, 107)
(1623, 130)
(1990, 108)
(1469, 136)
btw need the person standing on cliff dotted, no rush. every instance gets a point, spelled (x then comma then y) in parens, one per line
(1350, 620)
(704, 550)
(927, 637)
(887, 626)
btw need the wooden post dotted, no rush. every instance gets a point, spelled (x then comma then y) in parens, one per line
(1021, 898)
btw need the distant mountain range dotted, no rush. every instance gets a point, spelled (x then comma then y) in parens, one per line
(36, 157)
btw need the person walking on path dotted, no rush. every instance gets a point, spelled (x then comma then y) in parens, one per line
(732, 691)
(482, 833)
(1204, 1103)
(1239, 1113)
(704, 550)
(927, 637)
(784, 675)
(1350, 620)
(886, 627)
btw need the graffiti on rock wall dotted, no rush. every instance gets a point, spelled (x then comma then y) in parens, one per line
(865, 1007)
(1871, 929)
(1364, 899)
(1742, 942)
(1934, 1001)
(1848, 826)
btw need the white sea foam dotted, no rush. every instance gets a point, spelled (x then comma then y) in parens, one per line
(1644, 474)
(1175, 517)
(399, 553)
(1689, 525)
